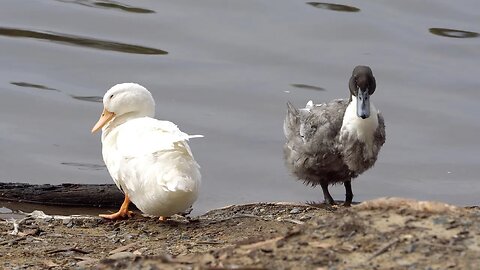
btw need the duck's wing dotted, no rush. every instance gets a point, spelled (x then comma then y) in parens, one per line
(311, 135)
(152, 153)
(146, 135)
(316, 124)
(380, 134)
(291, 125)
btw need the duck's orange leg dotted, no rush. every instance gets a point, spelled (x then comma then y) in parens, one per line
(123, 213)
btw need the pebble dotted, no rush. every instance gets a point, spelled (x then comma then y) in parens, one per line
(140, 251)
(303, 218)
(68, 222)
(294, 211)
(121, 255)
(85, 264)
(411, 248)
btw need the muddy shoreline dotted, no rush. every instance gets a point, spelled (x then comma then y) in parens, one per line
(379, 234)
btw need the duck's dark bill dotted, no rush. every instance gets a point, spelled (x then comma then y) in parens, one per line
(363, 103)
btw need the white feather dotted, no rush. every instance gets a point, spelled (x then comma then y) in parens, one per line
(309, 105)
(361, 129)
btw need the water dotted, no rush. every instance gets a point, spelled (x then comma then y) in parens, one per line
(225, 69)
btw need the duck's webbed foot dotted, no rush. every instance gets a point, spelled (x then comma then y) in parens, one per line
(326, 195)
(163, 218)
(122, 213)
(348, 193)
(118, 215)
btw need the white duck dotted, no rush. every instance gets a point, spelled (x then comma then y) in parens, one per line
(148, 159)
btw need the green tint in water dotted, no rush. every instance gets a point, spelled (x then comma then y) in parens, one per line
(124, 8)
(334, 7)
(307, 86)
(453, 33)
(84, 166)
(109, 5)
(88, 98)
(33, 85)
(79, 41)
(43, 87)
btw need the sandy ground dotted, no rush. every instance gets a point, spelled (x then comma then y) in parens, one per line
(380, 234)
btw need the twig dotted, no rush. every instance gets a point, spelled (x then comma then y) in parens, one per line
(15, 227)
(123, 248)
(383, 248)
(213, 242)
(16, 224)
(235, 268)
(39, 239)
(239, 216)
(259, 218)
(68, 249)
(293, 221)
(12, 241)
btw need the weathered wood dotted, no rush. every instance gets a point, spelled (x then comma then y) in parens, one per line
(62, 195)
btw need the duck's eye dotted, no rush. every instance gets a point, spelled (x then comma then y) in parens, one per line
(111, 96)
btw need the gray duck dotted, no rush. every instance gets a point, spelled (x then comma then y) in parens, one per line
(335, 142)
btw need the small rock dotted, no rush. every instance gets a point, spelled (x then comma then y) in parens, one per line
(128, 236)
(121, 255)
(140, 251)
(294, 211)
(66, 221)
(266, 250)
(303, 218)
(86, 264)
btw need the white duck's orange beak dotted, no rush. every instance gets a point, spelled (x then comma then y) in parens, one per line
(104, 119)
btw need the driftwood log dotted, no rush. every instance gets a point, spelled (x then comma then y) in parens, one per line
(62, 195)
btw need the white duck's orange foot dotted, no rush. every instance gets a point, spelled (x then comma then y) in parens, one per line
(122, 213)
(162, 218)
(118, 215)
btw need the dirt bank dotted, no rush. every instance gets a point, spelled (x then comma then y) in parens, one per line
(382, 234)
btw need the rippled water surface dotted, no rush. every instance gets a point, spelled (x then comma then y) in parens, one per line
(225, 69)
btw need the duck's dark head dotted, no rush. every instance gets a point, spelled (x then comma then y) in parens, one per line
(362, 85)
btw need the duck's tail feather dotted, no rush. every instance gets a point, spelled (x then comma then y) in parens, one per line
(290, 126)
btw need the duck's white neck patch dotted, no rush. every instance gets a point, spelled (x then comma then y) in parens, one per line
(356, 127)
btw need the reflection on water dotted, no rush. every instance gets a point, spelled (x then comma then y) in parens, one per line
(89, 98)
(79, 41)
(109, 5)
(453, 33)
(84, 166)
(306, 86)
(43, 87)
(4, 210)
(8, 214)
(334, 7)
(17, 210)
(32, 85)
